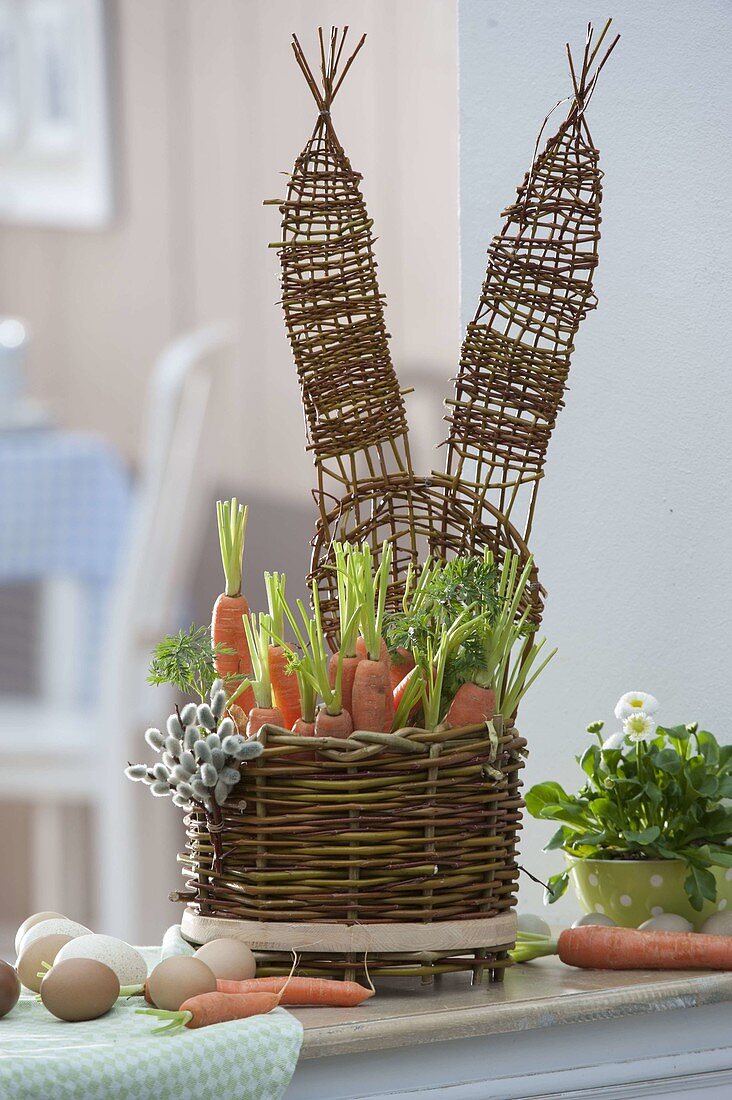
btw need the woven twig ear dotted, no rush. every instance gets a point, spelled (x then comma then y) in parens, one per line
(538, 287)
(334, 311)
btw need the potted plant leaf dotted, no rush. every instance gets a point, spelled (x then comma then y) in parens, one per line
(650, 830)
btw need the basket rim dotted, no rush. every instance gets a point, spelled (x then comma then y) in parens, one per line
(363, 744)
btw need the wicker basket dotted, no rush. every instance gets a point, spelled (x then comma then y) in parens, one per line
(395, 848)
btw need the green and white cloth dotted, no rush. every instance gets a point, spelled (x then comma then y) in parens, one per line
(117, 1057)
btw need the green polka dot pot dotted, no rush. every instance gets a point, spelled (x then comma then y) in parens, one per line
(631, 891)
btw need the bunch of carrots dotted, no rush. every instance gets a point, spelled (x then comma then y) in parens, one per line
(458, 651)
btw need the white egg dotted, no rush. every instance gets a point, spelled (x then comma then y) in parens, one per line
(127, 963)
(594, 918)
(529, 922)
(57, 926)
(35, 919)
(719, 924)
(666, 922)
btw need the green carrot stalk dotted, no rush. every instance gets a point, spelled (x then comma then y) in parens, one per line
(347, 600)
(232, 523)
(372, 590)
(258, 631)
(434, 662)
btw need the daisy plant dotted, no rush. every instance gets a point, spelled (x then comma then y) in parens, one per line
(650, 792)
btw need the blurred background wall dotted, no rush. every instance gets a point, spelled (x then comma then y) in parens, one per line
(209, 111)
(632, 523)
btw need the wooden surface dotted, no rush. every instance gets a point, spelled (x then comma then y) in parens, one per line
(440, 936)
(540, 995)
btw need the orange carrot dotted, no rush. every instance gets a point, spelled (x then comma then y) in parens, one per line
(363, 653)
(333, 725)
(303, 728)
(303, 991)
(284, 686)
(227, 631)
(370, 691)
(350, 664)
(599, 948)
(471, 706)
(282, 677)
(400, 667)
(400, 690)
(373, 702)
(264, 716)
(212, 1008)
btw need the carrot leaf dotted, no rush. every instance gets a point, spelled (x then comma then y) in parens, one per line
(186, 661)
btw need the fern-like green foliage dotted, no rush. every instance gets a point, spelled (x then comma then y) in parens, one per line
(186, 661)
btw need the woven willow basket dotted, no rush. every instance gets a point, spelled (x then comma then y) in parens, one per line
(394, 849)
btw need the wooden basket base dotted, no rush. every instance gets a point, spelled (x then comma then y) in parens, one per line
(344, 951)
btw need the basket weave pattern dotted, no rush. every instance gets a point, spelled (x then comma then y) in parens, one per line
(386, 829)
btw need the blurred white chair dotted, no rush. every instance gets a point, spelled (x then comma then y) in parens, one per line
(57, 755)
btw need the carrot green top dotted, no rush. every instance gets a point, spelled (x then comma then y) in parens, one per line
(372, 589)
(232, 521)
(348, 599)
(312, 664)
(258, 630)
(275, 586)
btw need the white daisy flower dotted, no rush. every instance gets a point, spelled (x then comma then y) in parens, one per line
(639, 727)
(632, 702)
(614, 741)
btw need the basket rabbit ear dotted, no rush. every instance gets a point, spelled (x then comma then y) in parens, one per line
(538, 287)
(334, 311)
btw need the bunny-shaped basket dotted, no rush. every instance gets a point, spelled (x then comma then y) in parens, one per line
(398, 851)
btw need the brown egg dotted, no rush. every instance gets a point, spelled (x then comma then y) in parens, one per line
(9, 988)
(176, 979)
(79, 989)
(230, 960)
(30, 962)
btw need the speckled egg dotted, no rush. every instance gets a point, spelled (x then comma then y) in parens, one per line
(666, 922)
(30, 963)
(529, 922)
(230, 960)
(55, 926)
(127, 963)
(594, 918)
(35, 919)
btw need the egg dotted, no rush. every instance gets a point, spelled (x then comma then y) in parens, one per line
(79, 989)
(30, 921)
(529, 922)
(230, 960)
(666, 922)
(127, 963)
(30, 963)
(594, 918)
(176, 979)
(719, 924)
(54, 926)
(9, 988)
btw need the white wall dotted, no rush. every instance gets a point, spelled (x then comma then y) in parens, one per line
(633, 526)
